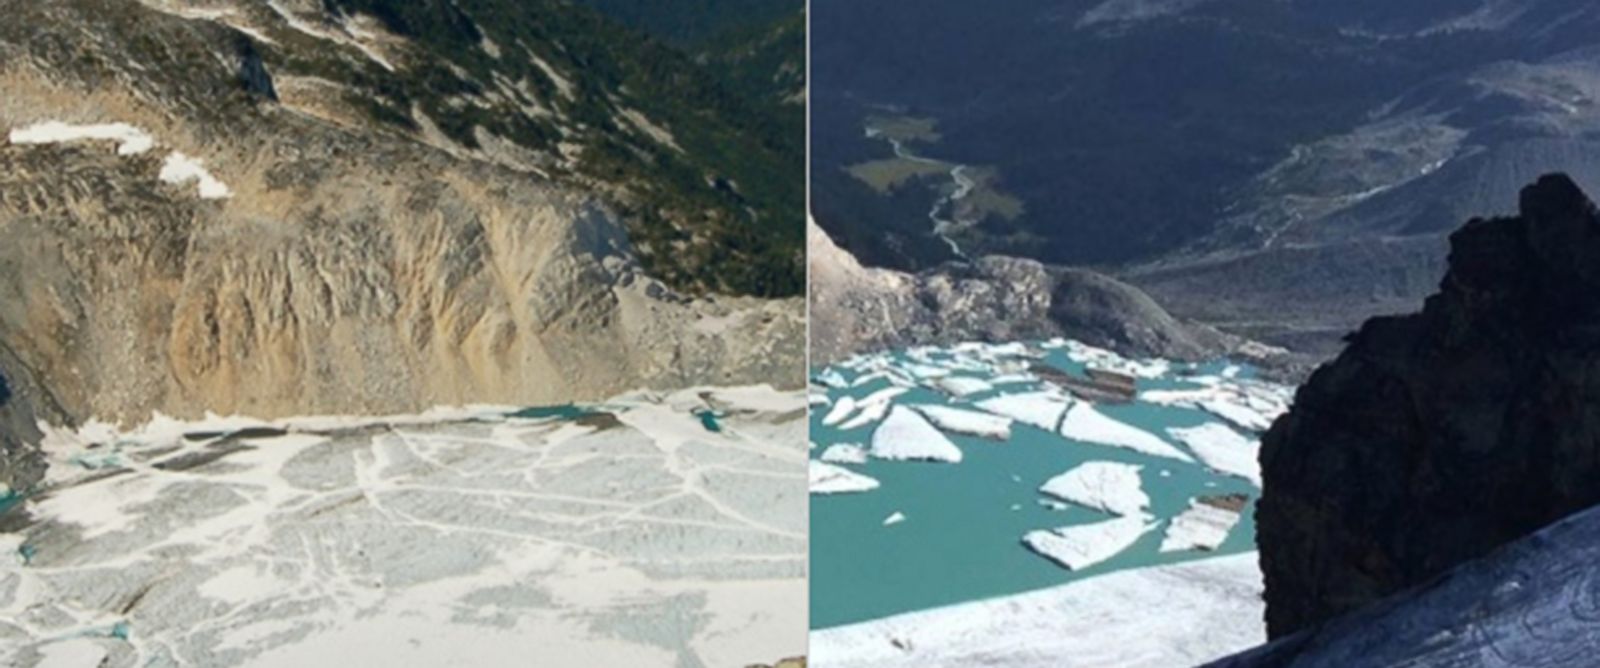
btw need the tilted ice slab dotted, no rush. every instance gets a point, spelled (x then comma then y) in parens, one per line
(404, 540)
(961, 386)
(830, 479)
(130, 140)
(873, 407)
(1248, 405)
(843, 408)
(1158, 617)
(1084, 423)
(962, 421)
(1202, 527)
(844, 453)
(894, 518)
(1080, 546)
(1223, 450)
(906, 435)
(1040, 409)
(1111, 487)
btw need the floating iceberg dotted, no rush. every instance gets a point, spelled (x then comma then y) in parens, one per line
(1084, 423)
(1040, 409)
(894, 518)
(1111, 487)
(1083, 545)
(845, 453)
(869, 414)
(961, 386)
(1204, 526)
(1223, 450)
(962, 421)
(906, 435)
(842, 409)
(829, 479)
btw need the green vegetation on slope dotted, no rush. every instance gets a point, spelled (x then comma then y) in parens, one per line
(718, 206)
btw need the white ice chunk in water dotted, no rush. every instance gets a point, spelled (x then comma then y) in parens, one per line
(1084, 423)
(962, 421)
(832, 378)
(180, 168)
(845, 453)
(906, 435)
(826, 478)
(1223, 450)
(869, 414)
(131, 140)
(1040, 409)
(962, 386)
(894, 518)
(841, 410)
(1083, 545)
(1111, 487)
(1202, 527)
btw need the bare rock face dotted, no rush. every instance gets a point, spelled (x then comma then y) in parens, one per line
(1438, 436)
(858, 309)
(341, 267)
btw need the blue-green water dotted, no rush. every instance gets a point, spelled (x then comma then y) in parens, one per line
(560, 412)
(961, 539)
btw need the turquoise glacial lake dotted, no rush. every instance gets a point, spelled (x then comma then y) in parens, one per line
(961, 539)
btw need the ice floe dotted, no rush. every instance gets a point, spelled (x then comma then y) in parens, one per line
(1223, 450)
(843, 408)
(894, 518)
(1040, 409)
(844, 453)
(1156, 617)
(1080, 546)
(830, 479)
(1204, 526)
(1111, 487)
(1085, 423)
(961, 386)
(962, 421)
(869, 414)
(906, 435)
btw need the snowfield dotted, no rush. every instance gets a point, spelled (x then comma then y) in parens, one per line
(1157, 617)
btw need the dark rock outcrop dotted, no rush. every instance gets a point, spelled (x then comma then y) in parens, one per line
(1531, 603)
(1437, 437)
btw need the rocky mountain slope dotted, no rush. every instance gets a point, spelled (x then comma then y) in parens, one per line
(1279, 170)
(224, 206)
(1439, 436)
(861, 309)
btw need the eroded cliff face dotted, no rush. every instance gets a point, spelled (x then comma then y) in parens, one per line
(860, 309)
(1438, 436)
(321, 264)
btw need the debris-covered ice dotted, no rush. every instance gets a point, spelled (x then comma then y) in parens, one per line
(1111, 487)
(1204, 526)
(906, 435)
